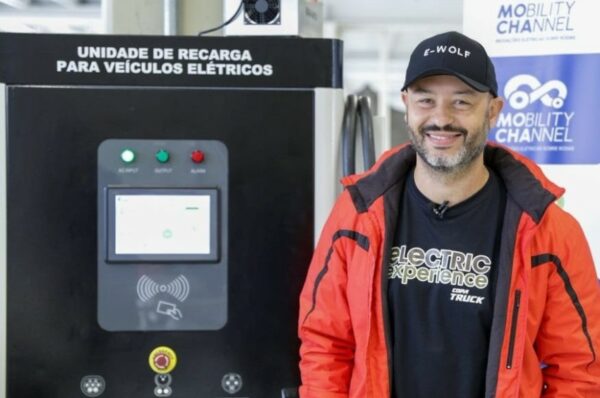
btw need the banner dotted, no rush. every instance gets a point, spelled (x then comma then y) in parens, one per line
(547, 58)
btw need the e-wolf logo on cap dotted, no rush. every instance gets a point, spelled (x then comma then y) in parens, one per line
(519, 98)
(441, 49)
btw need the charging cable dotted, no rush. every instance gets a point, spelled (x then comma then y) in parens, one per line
(230, 20)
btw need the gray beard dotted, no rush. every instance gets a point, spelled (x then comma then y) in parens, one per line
(457, 163)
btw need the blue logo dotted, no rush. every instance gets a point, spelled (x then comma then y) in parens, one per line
(522, 90)
(549, 114)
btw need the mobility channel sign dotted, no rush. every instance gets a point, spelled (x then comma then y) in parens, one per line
(549, 107)
(533, 27)
(553, 19)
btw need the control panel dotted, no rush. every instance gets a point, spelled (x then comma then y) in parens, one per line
(162, 235)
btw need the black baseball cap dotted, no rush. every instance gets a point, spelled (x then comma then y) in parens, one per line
(455, 54)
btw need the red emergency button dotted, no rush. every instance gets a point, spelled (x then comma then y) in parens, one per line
(161, 361)
(197, 156)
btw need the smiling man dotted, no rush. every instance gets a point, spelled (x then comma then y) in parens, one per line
(447, 270)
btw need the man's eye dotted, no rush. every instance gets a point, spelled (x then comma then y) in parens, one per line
(425, 101)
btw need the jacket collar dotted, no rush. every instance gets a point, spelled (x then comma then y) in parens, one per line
(525, 183)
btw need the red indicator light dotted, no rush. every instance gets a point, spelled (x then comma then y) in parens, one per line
(197, 156)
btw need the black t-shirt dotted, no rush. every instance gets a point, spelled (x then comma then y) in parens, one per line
(442, 276)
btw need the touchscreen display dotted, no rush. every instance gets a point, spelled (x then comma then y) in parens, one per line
(162, 224)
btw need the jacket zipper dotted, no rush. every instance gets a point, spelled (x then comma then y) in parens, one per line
(513, 329)
(384, 298)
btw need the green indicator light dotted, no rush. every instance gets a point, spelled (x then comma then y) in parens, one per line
(162, 156)
(128, 156)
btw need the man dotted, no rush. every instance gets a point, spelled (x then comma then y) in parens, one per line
(447, 270)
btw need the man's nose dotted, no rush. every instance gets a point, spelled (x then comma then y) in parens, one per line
(442, 115)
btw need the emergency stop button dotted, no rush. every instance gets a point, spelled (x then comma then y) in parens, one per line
(162, 360)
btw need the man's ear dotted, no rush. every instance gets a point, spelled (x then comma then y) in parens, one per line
(495, 107)
(404, 95)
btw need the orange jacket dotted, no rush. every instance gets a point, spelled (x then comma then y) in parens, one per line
(545, 337)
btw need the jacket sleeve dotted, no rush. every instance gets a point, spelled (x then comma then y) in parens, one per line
(325, 330)
(568, 341)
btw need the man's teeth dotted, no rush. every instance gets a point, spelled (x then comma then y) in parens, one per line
(442, 137)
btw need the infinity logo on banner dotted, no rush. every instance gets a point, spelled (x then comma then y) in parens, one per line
(536, 122)
(548, 113)
(522, 90)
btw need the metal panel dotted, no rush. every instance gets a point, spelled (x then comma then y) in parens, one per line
(3, 284)
(329, 108)
(54, 338)
(268, 125)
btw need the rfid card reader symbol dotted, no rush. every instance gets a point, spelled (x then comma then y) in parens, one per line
(179, 288)
(169, 309)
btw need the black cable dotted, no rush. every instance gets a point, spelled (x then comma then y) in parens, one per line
(230, 20)
(365, 116)
(357, 115)
(349, 135)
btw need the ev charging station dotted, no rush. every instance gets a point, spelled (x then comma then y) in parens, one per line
(159, 198)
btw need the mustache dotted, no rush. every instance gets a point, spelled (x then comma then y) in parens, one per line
(448, 127)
